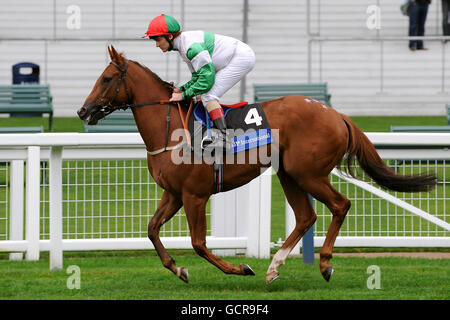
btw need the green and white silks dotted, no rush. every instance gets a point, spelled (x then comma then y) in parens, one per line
(216, 62)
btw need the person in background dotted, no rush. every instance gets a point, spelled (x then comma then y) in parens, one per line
(446, 18)
(418, 10)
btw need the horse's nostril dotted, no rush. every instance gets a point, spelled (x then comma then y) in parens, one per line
(82, 111)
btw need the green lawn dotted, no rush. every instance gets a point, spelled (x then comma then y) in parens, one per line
(140, 275)
(382, 124)
(368, 124)
(59, 124)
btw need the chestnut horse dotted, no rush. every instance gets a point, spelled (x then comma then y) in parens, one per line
(313, 139)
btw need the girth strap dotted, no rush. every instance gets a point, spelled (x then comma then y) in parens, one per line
(218, 177)
(175, 147)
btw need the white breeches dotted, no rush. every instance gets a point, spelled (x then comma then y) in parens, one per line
(240, 64)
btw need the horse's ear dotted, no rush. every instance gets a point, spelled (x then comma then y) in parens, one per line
(113, 54)
(110, 53)
(116, 54)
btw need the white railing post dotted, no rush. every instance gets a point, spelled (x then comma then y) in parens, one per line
(266, 210)
(259, 206)
(223, 218)
(33, 203)
(55, 188)
(253, 230)
(242, 214)
(16, 205)
(229, 216)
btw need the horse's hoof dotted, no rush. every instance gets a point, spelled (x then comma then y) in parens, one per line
(247, 270)
(183, 274)
(271, 277)
(328, 273)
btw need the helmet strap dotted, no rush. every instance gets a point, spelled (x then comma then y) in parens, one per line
(169, 41)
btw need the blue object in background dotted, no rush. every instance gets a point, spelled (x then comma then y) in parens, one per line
(20, 77)
(308, 243)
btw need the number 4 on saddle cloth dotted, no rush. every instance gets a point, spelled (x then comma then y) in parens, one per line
(246, 122)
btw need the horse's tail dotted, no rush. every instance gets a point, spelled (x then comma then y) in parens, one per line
(360, 147)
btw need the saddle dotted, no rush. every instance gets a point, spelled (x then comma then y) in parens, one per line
(247, 124)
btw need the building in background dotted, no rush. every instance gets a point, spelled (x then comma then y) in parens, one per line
(294, 41)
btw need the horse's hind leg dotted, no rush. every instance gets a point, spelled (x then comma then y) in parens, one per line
(167, 208)
(304, 219)
(196, 217)
(322, 190)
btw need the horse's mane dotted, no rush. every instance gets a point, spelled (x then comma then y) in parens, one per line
(166, 85)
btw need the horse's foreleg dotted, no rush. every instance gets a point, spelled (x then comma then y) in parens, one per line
(304, 218)
(196, 217)
(167, 208)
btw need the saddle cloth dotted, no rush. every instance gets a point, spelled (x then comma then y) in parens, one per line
(248, 121)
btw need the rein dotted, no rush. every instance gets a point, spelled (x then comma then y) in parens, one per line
(109, 108)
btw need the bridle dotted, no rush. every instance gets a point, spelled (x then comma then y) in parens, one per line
(109, 108)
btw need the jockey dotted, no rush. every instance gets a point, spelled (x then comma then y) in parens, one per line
(216, 62)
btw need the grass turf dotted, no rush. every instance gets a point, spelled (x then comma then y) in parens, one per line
(140, 275)
(367, 124)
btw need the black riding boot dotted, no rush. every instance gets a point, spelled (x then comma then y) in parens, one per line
(221, 124)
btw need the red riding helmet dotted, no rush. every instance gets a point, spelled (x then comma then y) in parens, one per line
(162, 25)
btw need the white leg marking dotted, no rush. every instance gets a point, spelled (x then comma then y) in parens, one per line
(278, 260)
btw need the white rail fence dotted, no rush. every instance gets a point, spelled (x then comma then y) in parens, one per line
(93, 192)
(96, 194)
(393, 219)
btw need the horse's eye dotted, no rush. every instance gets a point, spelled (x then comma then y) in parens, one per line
(106, 79)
